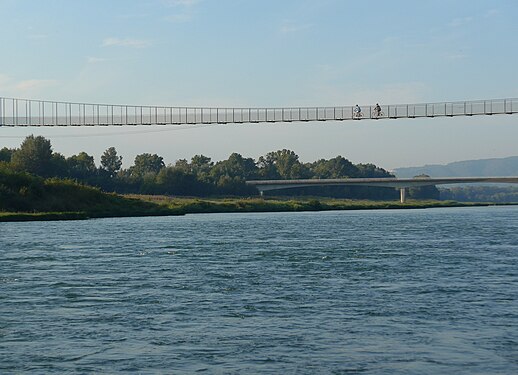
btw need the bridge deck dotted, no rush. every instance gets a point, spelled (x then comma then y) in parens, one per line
(399, 183)
(26, 112)
(265, 185)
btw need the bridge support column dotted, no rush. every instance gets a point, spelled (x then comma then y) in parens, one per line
(402, 194)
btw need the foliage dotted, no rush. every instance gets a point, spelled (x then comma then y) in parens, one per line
(6, 154)
(200, 205)
(33, 156)
(28, 197)
(283, 164)
(502, 194)
(338, 167)
(81, 166)
(111, 162)
(199, 177)
(146, 164)
(423, 192)
(21, 192)
(230, 175)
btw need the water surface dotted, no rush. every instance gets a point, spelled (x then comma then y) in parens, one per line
(371, 292)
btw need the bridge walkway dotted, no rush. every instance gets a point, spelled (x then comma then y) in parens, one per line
(28, 112)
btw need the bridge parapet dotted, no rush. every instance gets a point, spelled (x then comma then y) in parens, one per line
(28, 112)
(399, 183)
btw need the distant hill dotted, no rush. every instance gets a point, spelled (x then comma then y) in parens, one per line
(468, 168)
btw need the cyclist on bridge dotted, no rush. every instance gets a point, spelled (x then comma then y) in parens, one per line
(357, 111)
(377, 110)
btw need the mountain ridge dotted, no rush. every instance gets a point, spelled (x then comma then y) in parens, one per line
(493, 167)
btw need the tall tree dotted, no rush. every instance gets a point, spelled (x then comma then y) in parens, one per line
(235, 166)
(338, 167)
(230, 175)
(173, 180)
(58, 165)
(81, 166)
(371, 171)
(34, 156)
(424, 192)
(111, 162)
(6, 154)
(146, 164)
(283, 163)
(183, 165)
(201, 166)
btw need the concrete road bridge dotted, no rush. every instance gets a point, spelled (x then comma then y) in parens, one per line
(28, 112)
(398, 183)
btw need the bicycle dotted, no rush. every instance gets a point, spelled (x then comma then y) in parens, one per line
(377, 114)
(357, 115)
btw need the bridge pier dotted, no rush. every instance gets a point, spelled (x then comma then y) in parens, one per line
(402, 194)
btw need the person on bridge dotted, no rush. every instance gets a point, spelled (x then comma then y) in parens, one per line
(357, 111)
(377, 110)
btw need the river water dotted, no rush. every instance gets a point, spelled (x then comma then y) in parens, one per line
(431, 291)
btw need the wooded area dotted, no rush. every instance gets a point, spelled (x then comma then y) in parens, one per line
(200, 176)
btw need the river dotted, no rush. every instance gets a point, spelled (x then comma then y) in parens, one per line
(429, 291)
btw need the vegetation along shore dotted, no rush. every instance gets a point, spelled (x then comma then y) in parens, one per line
(37, 183)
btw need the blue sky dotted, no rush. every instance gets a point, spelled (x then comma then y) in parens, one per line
(268, 53)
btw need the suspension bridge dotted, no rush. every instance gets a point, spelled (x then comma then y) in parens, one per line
(29, 112)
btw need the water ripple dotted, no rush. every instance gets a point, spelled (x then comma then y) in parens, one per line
(369, 292)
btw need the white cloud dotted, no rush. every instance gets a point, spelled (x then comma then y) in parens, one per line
(25, 88)
(134, 43)
(409, 92)
(38, 36)
(458, 22)
(177, 18)
(289, 27)
(456, 56)
(492, 12)
(184, 3)
(4, 80)
(95, 60)
(33, 84)
(185, 10)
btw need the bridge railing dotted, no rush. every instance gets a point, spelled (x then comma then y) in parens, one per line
(26, 112)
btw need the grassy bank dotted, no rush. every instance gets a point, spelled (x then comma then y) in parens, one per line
(145, 205)
(199, 205)
(25, 197)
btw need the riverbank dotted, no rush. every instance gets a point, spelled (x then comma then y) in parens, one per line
(150, 205)
(280, 204)
(24, 197)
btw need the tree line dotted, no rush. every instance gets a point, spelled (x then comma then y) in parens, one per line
(198, 177)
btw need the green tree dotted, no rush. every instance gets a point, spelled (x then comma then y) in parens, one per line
(6, 154)
(424, 192)
(267, 169)
(58, 165)
(230, 175)
(284, 164)
(371, 171)
(183, 165)
(235, 166)
(111, 162)
(146, 164)
(81, 166)
(33, 156)
(201, 166)
(338, 167)
(172, 180)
